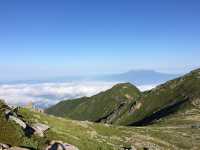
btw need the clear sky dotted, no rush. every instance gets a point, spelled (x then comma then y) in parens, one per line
(42, 38)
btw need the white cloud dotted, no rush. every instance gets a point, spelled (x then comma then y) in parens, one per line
(45, 94)
(147, 87)
(49, 93)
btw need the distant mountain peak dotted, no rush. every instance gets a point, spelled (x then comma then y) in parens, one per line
(124, 85)
(141, 70)
(140, 77)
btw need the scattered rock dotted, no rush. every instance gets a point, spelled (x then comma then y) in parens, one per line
(4, 146)
(59, 145)
(128, 148)
(18, 121)
(136, 106)
(40, 128)
(129, 97)
(196, 102)
(125, 87)
(11, 112)
(7, 147)
(37, 128)
(195, 126)
(8, 112)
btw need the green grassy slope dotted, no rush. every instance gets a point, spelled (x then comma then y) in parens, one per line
(97, 108)
(175, 97)
(174, 107)
(114, 106)
(12, 134)
(64, 108)
(92, 136)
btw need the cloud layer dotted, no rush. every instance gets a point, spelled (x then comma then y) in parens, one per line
(45, 94)
(49, 93)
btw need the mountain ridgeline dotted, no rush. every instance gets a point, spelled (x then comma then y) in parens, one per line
(104, 107)
(139, 77)
(124, 104)
(164, 113)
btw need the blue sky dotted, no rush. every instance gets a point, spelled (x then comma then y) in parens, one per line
(46, 38)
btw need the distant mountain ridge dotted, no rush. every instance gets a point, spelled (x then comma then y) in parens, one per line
(136, 77)
(170, 110)
(139, 77)
(129, 106)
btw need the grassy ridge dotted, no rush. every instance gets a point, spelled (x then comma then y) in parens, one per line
(96, 136)
(12, 134)
(178, 95)
(174, 107)
(182, 92)
(92, 136)
(99, 106)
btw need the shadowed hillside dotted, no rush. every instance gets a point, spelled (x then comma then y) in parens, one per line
(177, 96)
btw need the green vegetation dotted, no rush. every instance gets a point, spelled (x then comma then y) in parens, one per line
(128, 106)
(175, 97)
(173, 108)
(99, 107)
(96, 136)
(12, 134)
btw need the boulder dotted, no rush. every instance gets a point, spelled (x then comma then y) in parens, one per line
(7, 147)
(39, 128)
(8, 112)
(18, 121)
(11, 115)
(128, 148)
(195, 126)
(4, 146)
(59, 145)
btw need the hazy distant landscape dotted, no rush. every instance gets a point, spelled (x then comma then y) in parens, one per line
(49, 92)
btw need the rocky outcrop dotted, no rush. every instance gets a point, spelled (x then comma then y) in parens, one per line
(59, 145)
(4, 146)
(128, 148)
(195, 126)
(39, 129)
(18, 121)
(7, 147)
(135, 106)
(108, 118)
(12, 116)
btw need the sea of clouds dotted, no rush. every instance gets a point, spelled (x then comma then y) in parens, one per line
(46, 94)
